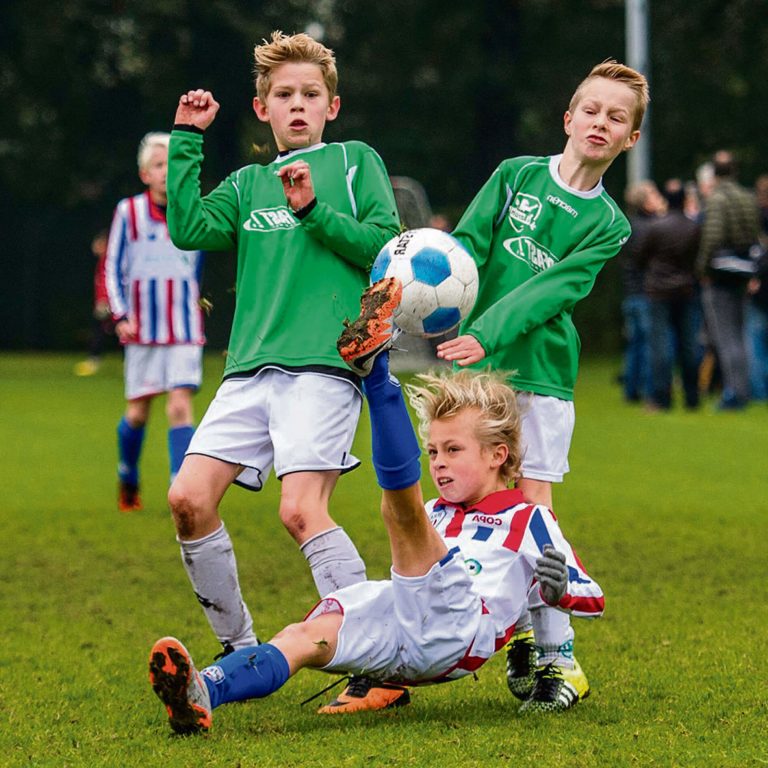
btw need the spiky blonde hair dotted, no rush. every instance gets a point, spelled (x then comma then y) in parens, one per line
(299, 48)
(445, 395)
(621, 73)
(147, 144)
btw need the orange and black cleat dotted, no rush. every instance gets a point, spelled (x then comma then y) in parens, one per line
(365, 694)
(179, 686)
(128, 499)
(373, 332)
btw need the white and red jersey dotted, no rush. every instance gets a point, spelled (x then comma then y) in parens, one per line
(148, 278)
(500, 539)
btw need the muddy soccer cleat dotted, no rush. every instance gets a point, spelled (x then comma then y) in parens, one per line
(364, 694)
(128, 498)
(179, 686)
(373, 332)
(521, 664)
(557, 689)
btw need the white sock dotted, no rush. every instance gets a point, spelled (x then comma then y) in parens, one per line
(333, 560)
(554, 636)
(211, 566)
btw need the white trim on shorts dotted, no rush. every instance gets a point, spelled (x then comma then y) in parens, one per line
(150, 370)
(546, 429)
(292, 421)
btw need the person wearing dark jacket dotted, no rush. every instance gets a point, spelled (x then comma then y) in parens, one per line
(731, 227)
(668, 255)
(644, 202)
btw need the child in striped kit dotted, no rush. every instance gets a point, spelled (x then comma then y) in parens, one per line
(154, 292)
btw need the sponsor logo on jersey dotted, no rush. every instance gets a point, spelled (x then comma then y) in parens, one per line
(437, 517)
(535, 255)
(560, 203)
(270, 219)
(524, 211)
(488, 519)
(473, 566)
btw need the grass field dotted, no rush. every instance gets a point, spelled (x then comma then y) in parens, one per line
(668, 511)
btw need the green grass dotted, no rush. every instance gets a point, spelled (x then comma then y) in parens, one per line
(668, 512)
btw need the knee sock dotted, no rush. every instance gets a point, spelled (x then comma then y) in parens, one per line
(129, 441)
(396, 452)
(178, 442)
(333, 560)
(554, 636)
(250, 673)
(211, 566)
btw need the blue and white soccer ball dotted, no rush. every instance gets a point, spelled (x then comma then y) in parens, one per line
(439, 280)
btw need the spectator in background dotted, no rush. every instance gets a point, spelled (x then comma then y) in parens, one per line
(644, 203)
(757, 306)
(730, 228)
(668, 255)
(761, 194)
(102, 326)
(709, 369)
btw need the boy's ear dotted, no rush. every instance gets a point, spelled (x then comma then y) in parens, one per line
(500, 453)
(567, 117)
(260, 109)
(632, 140)
(333, 108)
(143, 176)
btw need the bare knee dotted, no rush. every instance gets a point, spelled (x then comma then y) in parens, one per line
(292, 633)
(191, 510)
(178, 407)
(293, 518)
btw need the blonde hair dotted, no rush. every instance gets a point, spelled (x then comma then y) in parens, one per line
(300, 48)
(620, 73)
(148, 144)
(445, 395)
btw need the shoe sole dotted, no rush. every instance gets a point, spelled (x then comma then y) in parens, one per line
(350, 707)
(170, 672)
(373, 328)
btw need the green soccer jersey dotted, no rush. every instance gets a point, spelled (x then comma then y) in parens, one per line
(539, 245)
(297, 280)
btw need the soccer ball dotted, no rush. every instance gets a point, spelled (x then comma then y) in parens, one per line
(439, 280)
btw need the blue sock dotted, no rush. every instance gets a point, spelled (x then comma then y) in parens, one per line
(178, 442)
(250, 673)
(396, 451)
(129, 441)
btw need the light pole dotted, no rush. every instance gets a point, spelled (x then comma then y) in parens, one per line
(636, 23)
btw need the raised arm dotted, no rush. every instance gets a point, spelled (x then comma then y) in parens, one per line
(196, 222)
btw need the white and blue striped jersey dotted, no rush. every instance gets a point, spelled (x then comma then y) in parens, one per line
(500, 539)
(150, 279)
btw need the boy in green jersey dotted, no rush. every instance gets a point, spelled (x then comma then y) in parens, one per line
(540, 229)
(307, 228)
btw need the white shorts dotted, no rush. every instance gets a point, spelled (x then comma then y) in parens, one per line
(412, 629)
(547, 429)
(152, 370)
(296, 422)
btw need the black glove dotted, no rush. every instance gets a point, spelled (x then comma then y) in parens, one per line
(552, 575)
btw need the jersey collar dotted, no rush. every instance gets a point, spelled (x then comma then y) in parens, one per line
(554, 172)
(492, 504)
(156, 212)
(291, 153)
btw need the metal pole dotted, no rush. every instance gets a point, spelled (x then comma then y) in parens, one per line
(636, 22)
